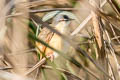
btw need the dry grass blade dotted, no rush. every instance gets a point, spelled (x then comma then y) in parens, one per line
(18, 40)
(21, 52)
(101, 47)
(68, 74)
(52, 9)
(100, 44)
(112, 51)
(114, 33)
(110, 19)
(37, 3)
(115, 7)
(112, 73)
(39, 64)
(37, 74)
(115, 58)
(81, 26)
(41, 11)
(4, 9)
(115, 23)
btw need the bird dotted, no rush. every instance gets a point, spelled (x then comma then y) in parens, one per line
(61, 23)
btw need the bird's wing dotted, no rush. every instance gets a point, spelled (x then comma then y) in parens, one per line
(55, 42)
(46, 36)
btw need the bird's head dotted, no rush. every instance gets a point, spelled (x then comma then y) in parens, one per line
(62, 22)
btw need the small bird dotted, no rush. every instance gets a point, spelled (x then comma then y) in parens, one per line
(61, 24)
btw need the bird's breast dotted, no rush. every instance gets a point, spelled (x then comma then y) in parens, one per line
(57, 42)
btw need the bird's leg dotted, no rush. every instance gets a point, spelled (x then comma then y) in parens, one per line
(52, 57)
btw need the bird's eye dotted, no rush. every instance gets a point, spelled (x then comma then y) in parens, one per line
(65, 17)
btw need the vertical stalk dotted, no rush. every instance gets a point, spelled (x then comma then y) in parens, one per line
(98, 33)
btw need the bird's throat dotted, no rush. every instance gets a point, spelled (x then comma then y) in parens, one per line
(63, 27)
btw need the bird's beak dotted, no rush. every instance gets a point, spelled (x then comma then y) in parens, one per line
(71, 19)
